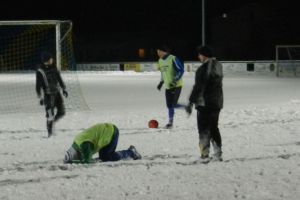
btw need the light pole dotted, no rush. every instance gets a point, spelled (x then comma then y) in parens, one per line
(203, 22)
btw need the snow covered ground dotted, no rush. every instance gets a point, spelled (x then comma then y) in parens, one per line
(259, 124)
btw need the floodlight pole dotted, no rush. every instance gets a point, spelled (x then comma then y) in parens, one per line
(203, 22)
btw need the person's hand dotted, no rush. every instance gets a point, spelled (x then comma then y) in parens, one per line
(41, 101)
(189, 109)
(160, 85)
(173, 84)
(65, 93)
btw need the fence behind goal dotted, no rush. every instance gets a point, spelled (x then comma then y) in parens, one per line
(21, 44)
(288, 60)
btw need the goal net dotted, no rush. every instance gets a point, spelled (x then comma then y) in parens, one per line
(288, 60)
(21, 44)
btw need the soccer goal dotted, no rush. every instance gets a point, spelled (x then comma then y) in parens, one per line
(288, 60)
(21, 44)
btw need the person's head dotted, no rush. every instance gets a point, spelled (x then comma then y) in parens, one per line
(163, 50)
(71, 154)
(47, 58)
(204, 53)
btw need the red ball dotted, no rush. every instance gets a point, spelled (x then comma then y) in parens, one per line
(153, 123)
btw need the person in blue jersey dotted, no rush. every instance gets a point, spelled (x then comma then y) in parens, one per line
(172, 70)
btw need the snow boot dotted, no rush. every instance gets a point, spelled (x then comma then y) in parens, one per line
(134, 154)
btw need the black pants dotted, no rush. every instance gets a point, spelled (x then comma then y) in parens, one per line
(109, 152)
(172, 96)
(207, 120)
(52, 102)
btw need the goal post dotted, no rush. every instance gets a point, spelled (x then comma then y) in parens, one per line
(33, 32)
(287, 60)
(21, 45)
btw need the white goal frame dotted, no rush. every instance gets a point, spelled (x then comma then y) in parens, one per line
(297, 60)
(58, 36)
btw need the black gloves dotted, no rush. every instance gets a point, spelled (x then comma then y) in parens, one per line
(160, 85)
(41, 101)
(189, 108)
(172, 85)
(65, 93)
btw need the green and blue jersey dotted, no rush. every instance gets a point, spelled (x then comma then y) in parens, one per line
(93, 139)
(171, 70)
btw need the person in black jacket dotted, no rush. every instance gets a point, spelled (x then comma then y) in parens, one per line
(50, 83)
(207, 96)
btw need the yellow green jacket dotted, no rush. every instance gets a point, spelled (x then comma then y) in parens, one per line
(172, 70)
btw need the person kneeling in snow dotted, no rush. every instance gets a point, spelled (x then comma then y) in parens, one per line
(102, 139)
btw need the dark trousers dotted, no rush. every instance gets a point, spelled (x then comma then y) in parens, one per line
(52, 102)
(109, 152)
(172, 96)
(207, 120)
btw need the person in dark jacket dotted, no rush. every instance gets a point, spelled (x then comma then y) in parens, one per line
(48, 88)
(207, 97)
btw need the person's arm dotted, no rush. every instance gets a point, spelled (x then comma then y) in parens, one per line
(161, 82)
(201, 80)
(87, 152)
(179, 69)
(38, 83)
(60, 80)
(61, 83)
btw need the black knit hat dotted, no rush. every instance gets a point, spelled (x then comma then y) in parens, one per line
(164, 47)
(45, 56)
(205, 51)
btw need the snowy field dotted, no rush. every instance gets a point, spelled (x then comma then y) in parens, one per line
(259, 124)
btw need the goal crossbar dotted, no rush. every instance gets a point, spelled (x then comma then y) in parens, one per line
(32, 22)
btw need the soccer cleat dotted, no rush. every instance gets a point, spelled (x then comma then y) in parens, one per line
(204, 159)
(169, 126)
(217, 157)
(50, 128)
(134, 154)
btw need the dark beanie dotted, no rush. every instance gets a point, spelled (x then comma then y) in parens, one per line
(164, 47)
(205, 51)
(45, 56)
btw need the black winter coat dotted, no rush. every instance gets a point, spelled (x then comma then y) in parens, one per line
(49, 79)
(208, 87)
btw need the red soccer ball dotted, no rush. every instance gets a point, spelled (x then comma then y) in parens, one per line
(153, 123)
